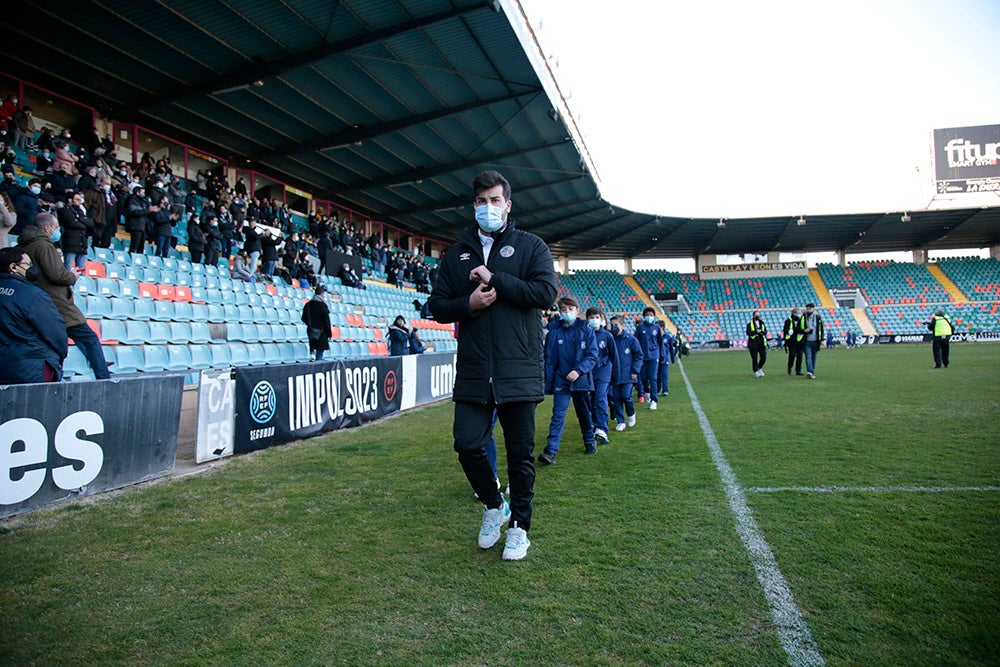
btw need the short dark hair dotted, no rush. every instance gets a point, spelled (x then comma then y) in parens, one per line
(649, 310)
(10, 256)
(618, 318)
(568, 301)
(810, 305)
(490, 179)
(594, 310)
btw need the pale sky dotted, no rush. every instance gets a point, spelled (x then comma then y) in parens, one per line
(736, 109)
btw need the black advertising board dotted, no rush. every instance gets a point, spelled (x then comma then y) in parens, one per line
(281, 403)
(435, 376)
(967, 159)
(65, 439)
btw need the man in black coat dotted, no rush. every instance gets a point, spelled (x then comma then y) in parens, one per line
(494, 282)
(137, 211)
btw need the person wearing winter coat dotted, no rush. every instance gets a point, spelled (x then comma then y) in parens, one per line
(316, 317)
(33, 338)
(78, 227)
(630, 359)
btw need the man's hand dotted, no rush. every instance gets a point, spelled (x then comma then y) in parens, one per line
(573, 375)
(481, 275)
(481, 298)
(634, 376)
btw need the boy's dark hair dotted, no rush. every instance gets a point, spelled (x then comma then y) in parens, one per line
(569, 301)
(489, 179)
(593, 310)
(649, 310)
(618, 318)
(10, 256)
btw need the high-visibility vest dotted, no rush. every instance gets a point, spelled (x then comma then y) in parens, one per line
(942, 326)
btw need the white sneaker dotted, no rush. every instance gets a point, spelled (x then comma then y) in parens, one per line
(652, 405)
(620, 427)
(631, 421)
(517, 544)
(489, 534)
(761, 373)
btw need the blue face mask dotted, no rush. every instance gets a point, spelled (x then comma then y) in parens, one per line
(649, 319)
(568, 317)
(489, 217)
(595, 323)
(56, 235)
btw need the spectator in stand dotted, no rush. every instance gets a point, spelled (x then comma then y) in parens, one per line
(88, 178)
(196, 239)
(241, 268)
(323, 246)
(43, 162)
(164, 221)
(303, 270)
(399, 337)
(45, 140)
(417, 346)
(227, 228)
(8, 218)
(627, 371)
(103, 206)
(137, 211)
(316, 317)
(213, 241)
(23, 128)
(8, 108)
(26, 205)
(349, 277)
(38, 243)
(9, 186)
(270, 243)
(65, 161)
(241, 187)
(77, 227)
(33, 338)
(251, 243)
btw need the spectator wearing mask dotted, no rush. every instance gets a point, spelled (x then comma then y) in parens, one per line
(77, 227)
(38, 243)
(241, 268)
(164, 221)
(196, 239)
(8, 218)
(213, 240)
(251, 243)
(43, 162)
(349, 277)
(316, 317)
(626, 372)
(26, 205)
(23, 128)
(416, 346)
(137, 211)
(102, 203)
(33, 338)
(399, 337)
(65, 162)
(9, 186)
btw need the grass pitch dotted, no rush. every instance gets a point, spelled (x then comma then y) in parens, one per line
(876, 486)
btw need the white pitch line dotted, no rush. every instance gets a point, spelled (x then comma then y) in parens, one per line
(793, 632)
(869, 489)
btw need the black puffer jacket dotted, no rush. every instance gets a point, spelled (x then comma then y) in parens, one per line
(499, 348)
(77, 226)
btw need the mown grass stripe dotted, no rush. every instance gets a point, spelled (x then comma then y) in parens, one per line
(794, 634)
(869, 489)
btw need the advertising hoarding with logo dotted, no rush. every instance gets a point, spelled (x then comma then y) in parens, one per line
(967, 159)
(280, 403)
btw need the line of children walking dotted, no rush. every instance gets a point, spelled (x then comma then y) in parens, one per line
(595, 369)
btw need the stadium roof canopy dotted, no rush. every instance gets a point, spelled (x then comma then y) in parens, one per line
(390, 107)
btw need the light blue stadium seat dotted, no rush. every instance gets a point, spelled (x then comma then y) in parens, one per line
(200, 332)
(115, 271)
(201, 356)
(108, 287)
(199, 295)
(251, 333)
(277, 333)
(154, 262)
(246, 314)
(239, 353)
(211, 270)
(259, 314)
(163, 310)
(128, 289)
(136, 333)
(129, 359)
(159, 333)
(121, 257)
(272, 354)
(199, 312)
(155, 358)
(216, 312)
(143, 309)
(287, 353)
(150, 275)
(301, 351)
(85, 285)
(180, 333)
(240, 298)
(198, 279)
(112, 331)
(198, 269)
(96, 307)
(183, 311)
(181, 278)
(183, 266)
(76, 363)
(168, 277)
(139, 260)
(104, 255)
(221, 356)
(255, 354)
(291, 334)
(232, 312)
(253, 299)
(169, 263)
(178, 358)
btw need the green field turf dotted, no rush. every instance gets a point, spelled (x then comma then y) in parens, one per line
(876, 487)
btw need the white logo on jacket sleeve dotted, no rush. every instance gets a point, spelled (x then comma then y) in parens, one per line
(464, 257)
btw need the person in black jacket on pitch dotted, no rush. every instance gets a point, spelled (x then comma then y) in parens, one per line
(494, 282)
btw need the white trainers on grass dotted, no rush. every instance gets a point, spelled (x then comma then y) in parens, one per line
(517, 544)
(489, 533)
(631, 421)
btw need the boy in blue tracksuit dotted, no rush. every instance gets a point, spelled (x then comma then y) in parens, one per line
(607, 359)
(626, 371)
(650, 337)
(570, 357)
(666, 358)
